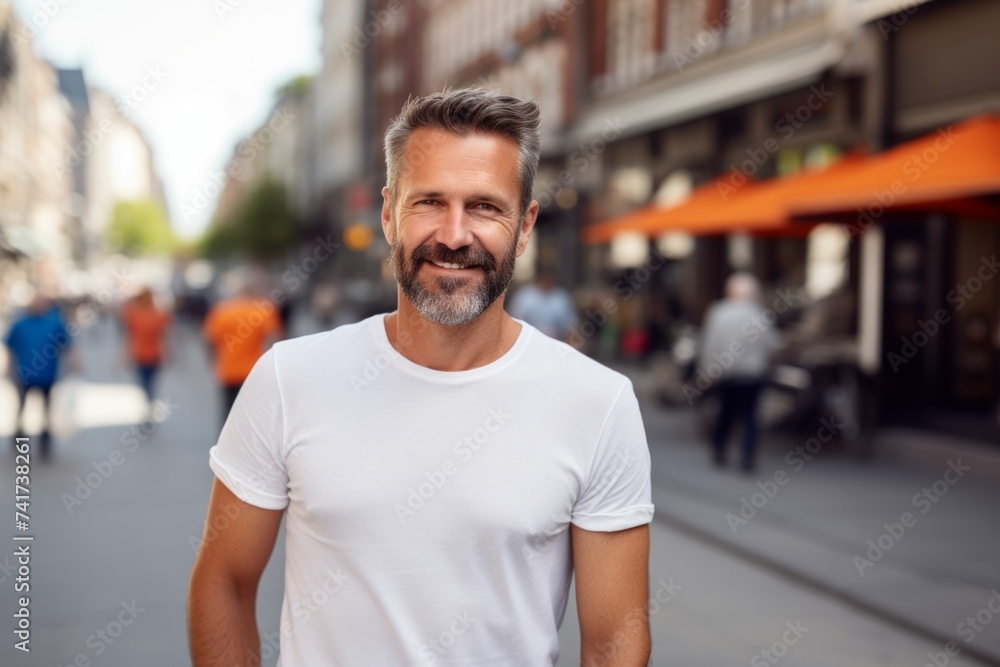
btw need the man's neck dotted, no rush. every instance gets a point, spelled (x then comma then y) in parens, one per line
(451, 348)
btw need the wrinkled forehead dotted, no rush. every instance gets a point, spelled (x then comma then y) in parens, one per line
(432, 153)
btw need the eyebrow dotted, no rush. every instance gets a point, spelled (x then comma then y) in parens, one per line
(430, 194)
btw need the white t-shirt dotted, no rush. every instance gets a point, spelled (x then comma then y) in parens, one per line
(428, 511)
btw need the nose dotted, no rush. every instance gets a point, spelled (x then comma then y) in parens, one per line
(455, 230)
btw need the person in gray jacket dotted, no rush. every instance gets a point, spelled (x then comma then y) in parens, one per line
(738, 339)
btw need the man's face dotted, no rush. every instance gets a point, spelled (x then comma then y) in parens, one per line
(456, 227)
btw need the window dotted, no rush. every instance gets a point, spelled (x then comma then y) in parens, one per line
(630, 38)
(684, 20)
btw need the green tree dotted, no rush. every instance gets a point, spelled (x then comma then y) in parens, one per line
(268, 224)
(219, 241)
(139, 227)
(264, 226)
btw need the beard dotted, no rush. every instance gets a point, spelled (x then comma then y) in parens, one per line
(452, 300)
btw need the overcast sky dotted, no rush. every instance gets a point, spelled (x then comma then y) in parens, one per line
(218, 64)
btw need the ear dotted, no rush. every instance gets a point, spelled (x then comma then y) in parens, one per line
(527, 225)
(388, 229)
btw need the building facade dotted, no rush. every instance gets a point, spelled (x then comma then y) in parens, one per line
(38, 238)
(939, 71)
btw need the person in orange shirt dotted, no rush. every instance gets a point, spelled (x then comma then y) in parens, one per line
(145, 326)
(239, 330)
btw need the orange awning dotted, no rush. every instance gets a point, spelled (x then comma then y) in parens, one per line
(762, 207)
(605, 231)
(721, 206)
(953, 169)
(654, 219)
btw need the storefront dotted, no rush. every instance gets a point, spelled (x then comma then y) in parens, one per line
(928, 210)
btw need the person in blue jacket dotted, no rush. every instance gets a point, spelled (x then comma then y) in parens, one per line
(37, 340)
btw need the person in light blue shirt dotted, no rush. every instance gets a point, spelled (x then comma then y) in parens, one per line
(545, 306)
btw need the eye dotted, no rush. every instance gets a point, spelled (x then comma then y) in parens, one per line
(484, 206)
(426, 202)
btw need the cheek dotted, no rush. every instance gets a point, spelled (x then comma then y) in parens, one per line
(416, 230)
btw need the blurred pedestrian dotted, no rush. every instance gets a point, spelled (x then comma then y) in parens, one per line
(736, 349)
(36, 341)
(145, 328)
(239, 330)
(326, 300)
(545, 306)
(286, 309)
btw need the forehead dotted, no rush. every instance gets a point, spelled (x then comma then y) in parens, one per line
(433, 155)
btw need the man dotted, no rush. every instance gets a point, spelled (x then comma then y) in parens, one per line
(545, 306)
(145, 327)
(738, 342)
(36, 341)
(444, 467)
(239, 330)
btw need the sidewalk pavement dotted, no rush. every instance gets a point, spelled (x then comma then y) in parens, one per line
(131, 540)
(917, 546)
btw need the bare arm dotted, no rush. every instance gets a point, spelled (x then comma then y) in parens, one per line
(612, 595)
(238, 541)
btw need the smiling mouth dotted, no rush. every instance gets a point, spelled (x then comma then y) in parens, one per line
(451, 266)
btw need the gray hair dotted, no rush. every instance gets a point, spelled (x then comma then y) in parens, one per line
(464, 111)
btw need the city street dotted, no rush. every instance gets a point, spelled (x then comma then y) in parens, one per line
(116, 533)
(780, 219)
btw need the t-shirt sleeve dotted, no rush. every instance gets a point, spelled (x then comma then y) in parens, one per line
(618, 493)
(249, 456)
